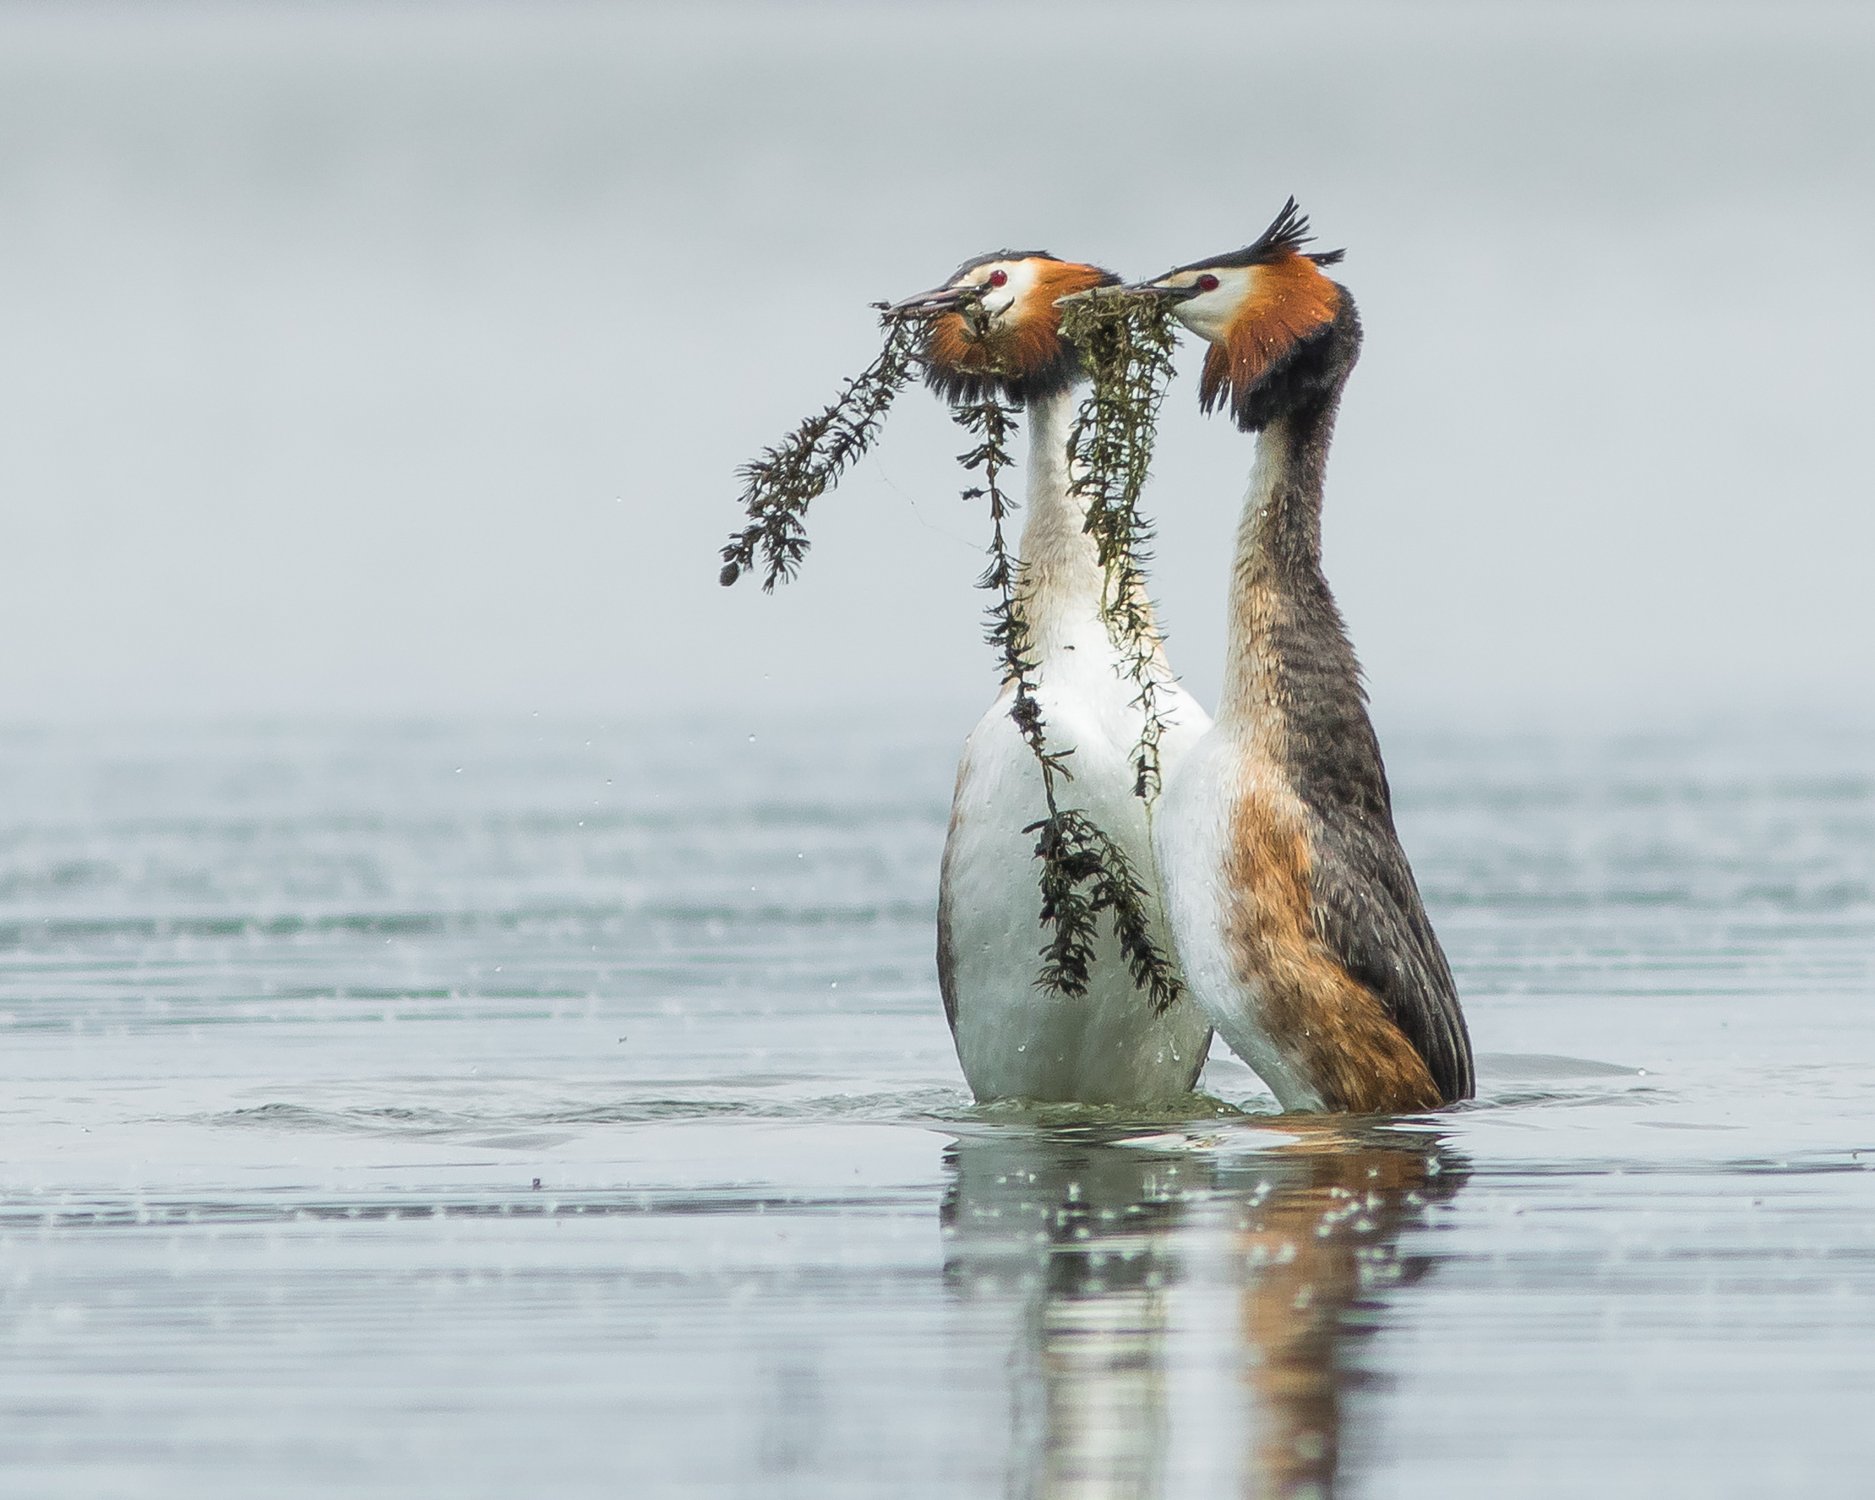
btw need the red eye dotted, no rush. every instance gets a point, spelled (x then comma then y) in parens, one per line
(999, 278)
(1207, 282)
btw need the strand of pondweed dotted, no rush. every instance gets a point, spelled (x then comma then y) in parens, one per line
(1083, 871)
(1075, 852)
(1126, 349)
(778, 487)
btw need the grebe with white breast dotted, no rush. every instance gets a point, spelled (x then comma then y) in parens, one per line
(994, 330)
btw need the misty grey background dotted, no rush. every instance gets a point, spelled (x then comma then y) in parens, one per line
(386, 359)
(565, 1106)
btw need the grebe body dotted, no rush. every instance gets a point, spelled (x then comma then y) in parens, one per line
(1014, 1039)
(1292, 905)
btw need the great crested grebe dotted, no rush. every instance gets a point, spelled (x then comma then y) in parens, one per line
(994, 330)
(1292, 906)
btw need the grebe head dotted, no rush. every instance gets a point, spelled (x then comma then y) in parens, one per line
(1282, 334)
(993, 328)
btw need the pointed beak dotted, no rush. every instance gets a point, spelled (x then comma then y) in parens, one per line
(1163, 293)
(938, 300)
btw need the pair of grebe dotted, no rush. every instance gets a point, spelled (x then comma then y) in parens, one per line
(1287, 898)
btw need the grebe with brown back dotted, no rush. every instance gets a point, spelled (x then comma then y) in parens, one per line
(1293, 908)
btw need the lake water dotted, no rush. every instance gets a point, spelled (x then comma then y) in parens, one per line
(542, 1109)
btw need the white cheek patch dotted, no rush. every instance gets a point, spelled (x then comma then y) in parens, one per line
(1209, 314)
(1000, 301)
(1203, 315)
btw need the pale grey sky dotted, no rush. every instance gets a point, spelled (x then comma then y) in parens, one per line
(399, 359)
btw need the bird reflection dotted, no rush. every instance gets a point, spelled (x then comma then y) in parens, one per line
(1125, 1267)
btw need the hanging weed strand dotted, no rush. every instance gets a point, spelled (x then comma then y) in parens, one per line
(1126, 348)
(779, 486)
(1083, 870)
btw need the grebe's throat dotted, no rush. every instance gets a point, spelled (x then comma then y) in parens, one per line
(1277, 593)
(1062, 580)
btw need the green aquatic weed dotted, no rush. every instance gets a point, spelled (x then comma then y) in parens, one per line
(778, 487)
(1083, 870)
(1125, 346)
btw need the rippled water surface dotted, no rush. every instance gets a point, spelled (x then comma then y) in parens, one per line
(540, 1110)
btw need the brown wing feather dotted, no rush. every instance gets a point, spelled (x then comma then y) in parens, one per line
(1335, 1031)
(1368, 913)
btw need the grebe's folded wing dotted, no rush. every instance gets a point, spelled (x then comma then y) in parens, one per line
(1369, 915)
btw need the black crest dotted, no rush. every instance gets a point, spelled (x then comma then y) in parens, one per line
(1287, 234)
(995, 255)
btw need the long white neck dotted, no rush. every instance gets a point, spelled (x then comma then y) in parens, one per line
(1062, 580)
